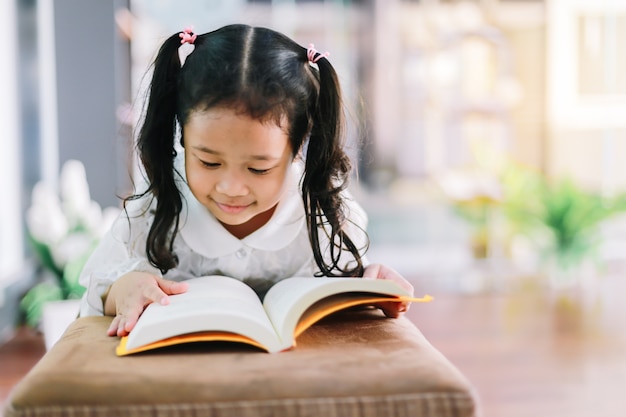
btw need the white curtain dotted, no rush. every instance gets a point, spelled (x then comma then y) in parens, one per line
(11, 239)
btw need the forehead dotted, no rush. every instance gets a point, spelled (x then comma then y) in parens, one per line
(223, 129)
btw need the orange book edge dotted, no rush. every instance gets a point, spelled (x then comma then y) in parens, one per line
(311, 319)
(211, 336)
(306, 322)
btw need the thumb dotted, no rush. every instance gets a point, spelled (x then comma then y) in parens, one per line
(172, 287)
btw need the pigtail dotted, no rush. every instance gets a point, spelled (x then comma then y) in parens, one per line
(326, 176)
(156, 150)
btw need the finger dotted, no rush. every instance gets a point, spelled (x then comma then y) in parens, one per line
(130, 319)
(379, 271)
(172, 287)
(130, 323)
(154, 294)
(389, 309)
(404, 307)
(372, 271)
(393, 309)
(112, 330)
(120, 327)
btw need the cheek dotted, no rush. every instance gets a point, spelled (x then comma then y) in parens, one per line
(199, 180)
(275, 189)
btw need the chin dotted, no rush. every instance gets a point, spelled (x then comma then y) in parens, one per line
(230, 220)
(233, 222)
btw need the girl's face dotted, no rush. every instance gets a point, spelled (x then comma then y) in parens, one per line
(236, 166)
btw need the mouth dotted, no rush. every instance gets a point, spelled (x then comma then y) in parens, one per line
(231, 208)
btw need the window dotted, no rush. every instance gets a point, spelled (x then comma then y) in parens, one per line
(601, 64)
(586, 91)
(11, 241)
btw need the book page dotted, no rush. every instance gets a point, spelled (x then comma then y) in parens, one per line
(214, 303)
(287, 300)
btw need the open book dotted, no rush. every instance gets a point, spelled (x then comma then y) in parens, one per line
(226, 309)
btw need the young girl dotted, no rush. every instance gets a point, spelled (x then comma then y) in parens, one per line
(258, 189)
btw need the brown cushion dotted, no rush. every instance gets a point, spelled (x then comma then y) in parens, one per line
(351, 364)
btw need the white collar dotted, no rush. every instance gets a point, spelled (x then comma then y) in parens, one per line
(205, 234)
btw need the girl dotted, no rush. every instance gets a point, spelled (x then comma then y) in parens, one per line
(256, 190)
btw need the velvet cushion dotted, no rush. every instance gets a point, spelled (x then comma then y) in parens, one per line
(350, 364)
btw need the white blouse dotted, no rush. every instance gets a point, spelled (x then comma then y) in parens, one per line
(279, 249)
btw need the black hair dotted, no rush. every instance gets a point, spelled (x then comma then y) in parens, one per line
(267, 76)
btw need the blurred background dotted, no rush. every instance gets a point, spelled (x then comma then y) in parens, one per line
(487, 138)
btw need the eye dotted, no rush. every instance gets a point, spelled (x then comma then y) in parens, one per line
(258, 171)
(209, 164)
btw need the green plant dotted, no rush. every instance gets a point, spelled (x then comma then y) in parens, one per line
(63, 229)
(560, 216)
(55, 286)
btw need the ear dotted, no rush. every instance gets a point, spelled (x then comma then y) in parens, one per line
(299, 155)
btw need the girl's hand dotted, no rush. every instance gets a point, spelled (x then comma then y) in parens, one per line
(390, 308)
(131, 294)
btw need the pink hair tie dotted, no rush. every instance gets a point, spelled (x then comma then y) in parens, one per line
(187, 36)
(313, 55)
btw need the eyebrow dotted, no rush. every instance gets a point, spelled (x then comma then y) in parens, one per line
(204, 149)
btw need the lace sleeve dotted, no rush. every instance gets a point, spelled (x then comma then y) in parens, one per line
(120, 251)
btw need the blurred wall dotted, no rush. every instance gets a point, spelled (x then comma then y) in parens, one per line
(92, 80)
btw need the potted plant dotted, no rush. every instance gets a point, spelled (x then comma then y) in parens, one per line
(63, 228)
(561, 217)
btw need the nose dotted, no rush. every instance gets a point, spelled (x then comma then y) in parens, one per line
(232, 185)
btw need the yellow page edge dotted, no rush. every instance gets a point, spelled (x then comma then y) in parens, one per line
(187, 338)
(312, 319)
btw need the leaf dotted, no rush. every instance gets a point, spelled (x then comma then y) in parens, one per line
(71, 287)
(568, 213)
(45, 257)
(32, 303)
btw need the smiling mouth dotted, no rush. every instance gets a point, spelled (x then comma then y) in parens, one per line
(231, 209)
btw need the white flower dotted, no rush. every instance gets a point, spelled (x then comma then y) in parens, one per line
(45, 218)
(74, 190)
(73, 246)
(69, 225)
